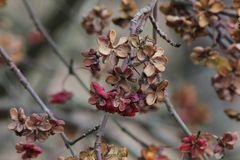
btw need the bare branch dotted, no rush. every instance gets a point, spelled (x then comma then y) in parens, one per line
(52, 43)
(140, 18)
(143, 144)
(155, 14)
(99, 136)
(90, 131)
(175, 115)
(162, 34)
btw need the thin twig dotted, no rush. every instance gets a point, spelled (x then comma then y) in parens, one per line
(140, 18)
(172, 110)
(33, 93)
(155, 15)
(143, 144)
(162, 34)
(84, 135)
(175, 115)
(99, 136)
(52, 43)
(167, 101)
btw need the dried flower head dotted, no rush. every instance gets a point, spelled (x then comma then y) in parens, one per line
(186, 26)
(99, 96)
(39, 126)
(35, 37)
(121, 78)
(112, 101)
(57, 126)
(167, 8)
(228, 141)
(29, 150)
(18, 122)
(148, 52)
(107, 46)
(109, 152)
(91, 60)
(126, 104)
(127, 12)
(153, 152)
(156, 59)
(226, 86)
(207, 10)
(34, 127)
(61, 97)
(232, 113)
(204, 56)
(211, 58)
(157, 94)
(96, 20)
(235, 33)
(194, 145)
(236, 5)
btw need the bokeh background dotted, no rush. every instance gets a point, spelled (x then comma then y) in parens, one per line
(46, 73)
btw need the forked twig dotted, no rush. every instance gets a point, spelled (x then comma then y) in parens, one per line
(84, 135)
(162, 34)
(140, 18)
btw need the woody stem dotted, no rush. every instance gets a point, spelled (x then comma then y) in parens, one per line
(99, 136)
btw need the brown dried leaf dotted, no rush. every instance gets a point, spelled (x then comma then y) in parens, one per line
(231, 113)
(151, 98)
(121, 21)
(14, 114)
(134, 40)
(216, 7)
(204, 2)
(162, 85)
(160, 96)
(104, 50)
(122, 152)
(122, 51)
(149, 70)
(112, 35)
(149, 50)
(112, 79)
(140, 55)
(159, 66)
(159, 53)
(203, 20)
(121, 41)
